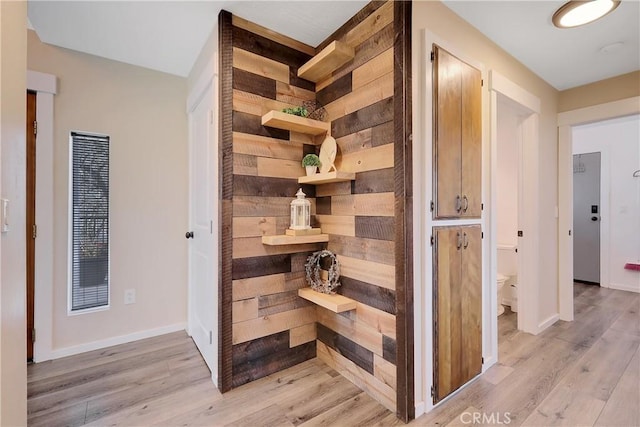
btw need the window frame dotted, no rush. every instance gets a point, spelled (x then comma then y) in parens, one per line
(70, 241)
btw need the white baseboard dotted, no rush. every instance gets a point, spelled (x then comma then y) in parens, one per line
(550, 321)
(623, 288)
(488, 362)
(122, 339)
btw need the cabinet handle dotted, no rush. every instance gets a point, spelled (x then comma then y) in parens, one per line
(458, 204)
(459, 240)
(466, 241)
(465, 204)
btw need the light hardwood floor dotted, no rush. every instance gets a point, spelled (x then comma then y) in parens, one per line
(581, 373)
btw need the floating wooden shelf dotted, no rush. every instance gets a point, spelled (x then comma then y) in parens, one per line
(308, 232)
(335, 303)
(326, 178)
(325, 62)
(280, 120)
(294, 240)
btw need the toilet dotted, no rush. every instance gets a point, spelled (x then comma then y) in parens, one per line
(502, 279)
(507, 275)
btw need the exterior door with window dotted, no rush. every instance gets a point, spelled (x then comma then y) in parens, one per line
(203, 232)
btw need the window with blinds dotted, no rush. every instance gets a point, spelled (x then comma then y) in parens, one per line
(89, 221)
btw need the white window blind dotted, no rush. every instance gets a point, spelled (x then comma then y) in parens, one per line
(89, 221)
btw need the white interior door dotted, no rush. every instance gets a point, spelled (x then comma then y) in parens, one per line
(586, 217)
(203, 232)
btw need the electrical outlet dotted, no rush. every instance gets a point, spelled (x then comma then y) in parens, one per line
(129, 296)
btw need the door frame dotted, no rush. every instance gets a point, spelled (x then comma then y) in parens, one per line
(566, 120)
(45, 86)
(206, 85)
(528, 207)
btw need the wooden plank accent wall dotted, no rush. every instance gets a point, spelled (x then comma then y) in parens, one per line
(265, 325)
(368, 220)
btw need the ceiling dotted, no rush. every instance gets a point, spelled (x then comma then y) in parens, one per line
(564, 58)
(168, 35)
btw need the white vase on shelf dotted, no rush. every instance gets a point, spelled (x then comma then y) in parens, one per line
(311, 170)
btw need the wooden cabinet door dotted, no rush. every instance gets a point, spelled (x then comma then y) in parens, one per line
(471, 290)
(457, 320)
(457, 147)
(471, 141)
(447, 154)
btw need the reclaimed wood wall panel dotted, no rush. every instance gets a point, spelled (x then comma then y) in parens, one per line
(302, 334)
(267, 325)
(266, 163)
(267, 284)
(382, 392)
(365, 218)
(260, 146)
(267, 355)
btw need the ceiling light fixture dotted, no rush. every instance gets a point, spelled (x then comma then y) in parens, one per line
(576, 13)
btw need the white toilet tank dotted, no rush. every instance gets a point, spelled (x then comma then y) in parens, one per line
(508, 260)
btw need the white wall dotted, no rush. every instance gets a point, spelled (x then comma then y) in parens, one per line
(619, 142)
(507, 168)
(143, 112)
(13, 74)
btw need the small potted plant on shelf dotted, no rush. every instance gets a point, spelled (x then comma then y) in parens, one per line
(297, 111)
(311, 163)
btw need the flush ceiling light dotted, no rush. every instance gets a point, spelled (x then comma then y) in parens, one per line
(576, 13)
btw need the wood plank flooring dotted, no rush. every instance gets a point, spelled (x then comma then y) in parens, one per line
(585, 373)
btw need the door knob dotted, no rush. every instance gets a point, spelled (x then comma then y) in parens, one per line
(594, 218)
(189, 235)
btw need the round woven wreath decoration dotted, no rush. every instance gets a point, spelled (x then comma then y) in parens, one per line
(312, 268)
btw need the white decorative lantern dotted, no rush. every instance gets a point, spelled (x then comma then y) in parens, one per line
(300, 212)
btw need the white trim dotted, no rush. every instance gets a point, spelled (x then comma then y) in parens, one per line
(42, 82)
(500, 84)
(567, 119)
(46, 87)
(122, 339)
(528, 207)
(546, 323)
(202, 83)
(597, 113)
(419, 409)
(623, 288)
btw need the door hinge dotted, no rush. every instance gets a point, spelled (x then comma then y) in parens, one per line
(433, 392)
(432, 206)
(481, 206)
(33, 335)
(482, 82)
(432, 240)
(433, 56)
(569, 232)
(483, 360)
(35, 127)
(520, 233)
(210, 337)
(210, 226)
(482, 234)
(34, 231)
